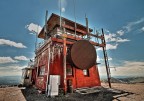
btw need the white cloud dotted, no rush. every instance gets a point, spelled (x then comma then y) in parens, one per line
(101, 59)
(128, 68)
(109, 58)
(133, 63)
(21, 58)
(11, 70)
(110, 46)
(122, 40)
(98, 58)
(129, 26)
(142, 29)
(110, 37)
(4, 60)
(63, 9)
(114, 38)
(120, 32)
(34, 28)
(11, 43)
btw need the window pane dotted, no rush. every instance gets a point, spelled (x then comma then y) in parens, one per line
(86, 72)
(41, 71)
(69, 70)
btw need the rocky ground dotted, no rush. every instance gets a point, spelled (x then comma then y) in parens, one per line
(119, 92)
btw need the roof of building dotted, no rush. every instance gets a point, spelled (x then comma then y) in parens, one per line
(54, 21)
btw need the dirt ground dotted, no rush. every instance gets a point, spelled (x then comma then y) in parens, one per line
(137, 91)
(119, 92)
(11, 94)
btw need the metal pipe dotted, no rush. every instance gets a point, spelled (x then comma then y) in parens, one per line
(60, 15)
(36, 38)
(46, 24)
(87, 27)
(74, 16)
(37, 68)
(64, 62)
(48, 68)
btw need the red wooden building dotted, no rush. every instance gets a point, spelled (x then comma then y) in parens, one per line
(64, 52)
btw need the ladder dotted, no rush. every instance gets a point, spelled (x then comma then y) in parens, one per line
(106, 60)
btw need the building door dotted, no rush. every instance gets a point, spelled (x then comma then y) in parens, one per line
(54, 82)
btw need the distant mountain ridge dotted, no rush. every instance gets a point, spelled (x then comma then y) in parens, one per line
(10, 80)
(133, 79)
(125, 80)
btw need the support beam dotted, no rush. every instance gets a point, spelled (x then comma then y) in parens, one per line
(48, 69)
(64, 61)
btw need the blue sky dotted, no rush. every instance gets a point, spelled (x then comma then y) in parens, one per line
(122, 20)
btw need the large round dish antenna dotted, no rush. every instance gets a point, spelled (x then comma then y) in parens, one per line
(83, 54)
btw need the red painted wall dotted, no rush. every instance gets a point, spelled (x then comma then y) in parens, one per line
(56, 68)
(80, 80)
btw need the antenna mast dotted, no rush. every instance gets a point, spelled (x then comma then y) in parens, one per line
(45, 29)
(60, 15)
(36, 37)
(87, 27)
(75, 16)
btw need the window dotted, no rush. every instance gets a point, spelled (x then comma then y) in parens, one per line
(86, 72)
(27, 74)
(69, 70)
(41, 71)
(23, 73)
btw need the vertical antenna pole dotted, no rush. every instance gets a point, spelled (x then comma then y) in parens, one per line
(106, 60)
(36, 37)
(47, 93)
(95, 33)
(74, 16)
(46, 21)
(45, 29)
(87, 27)
(60, 14)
